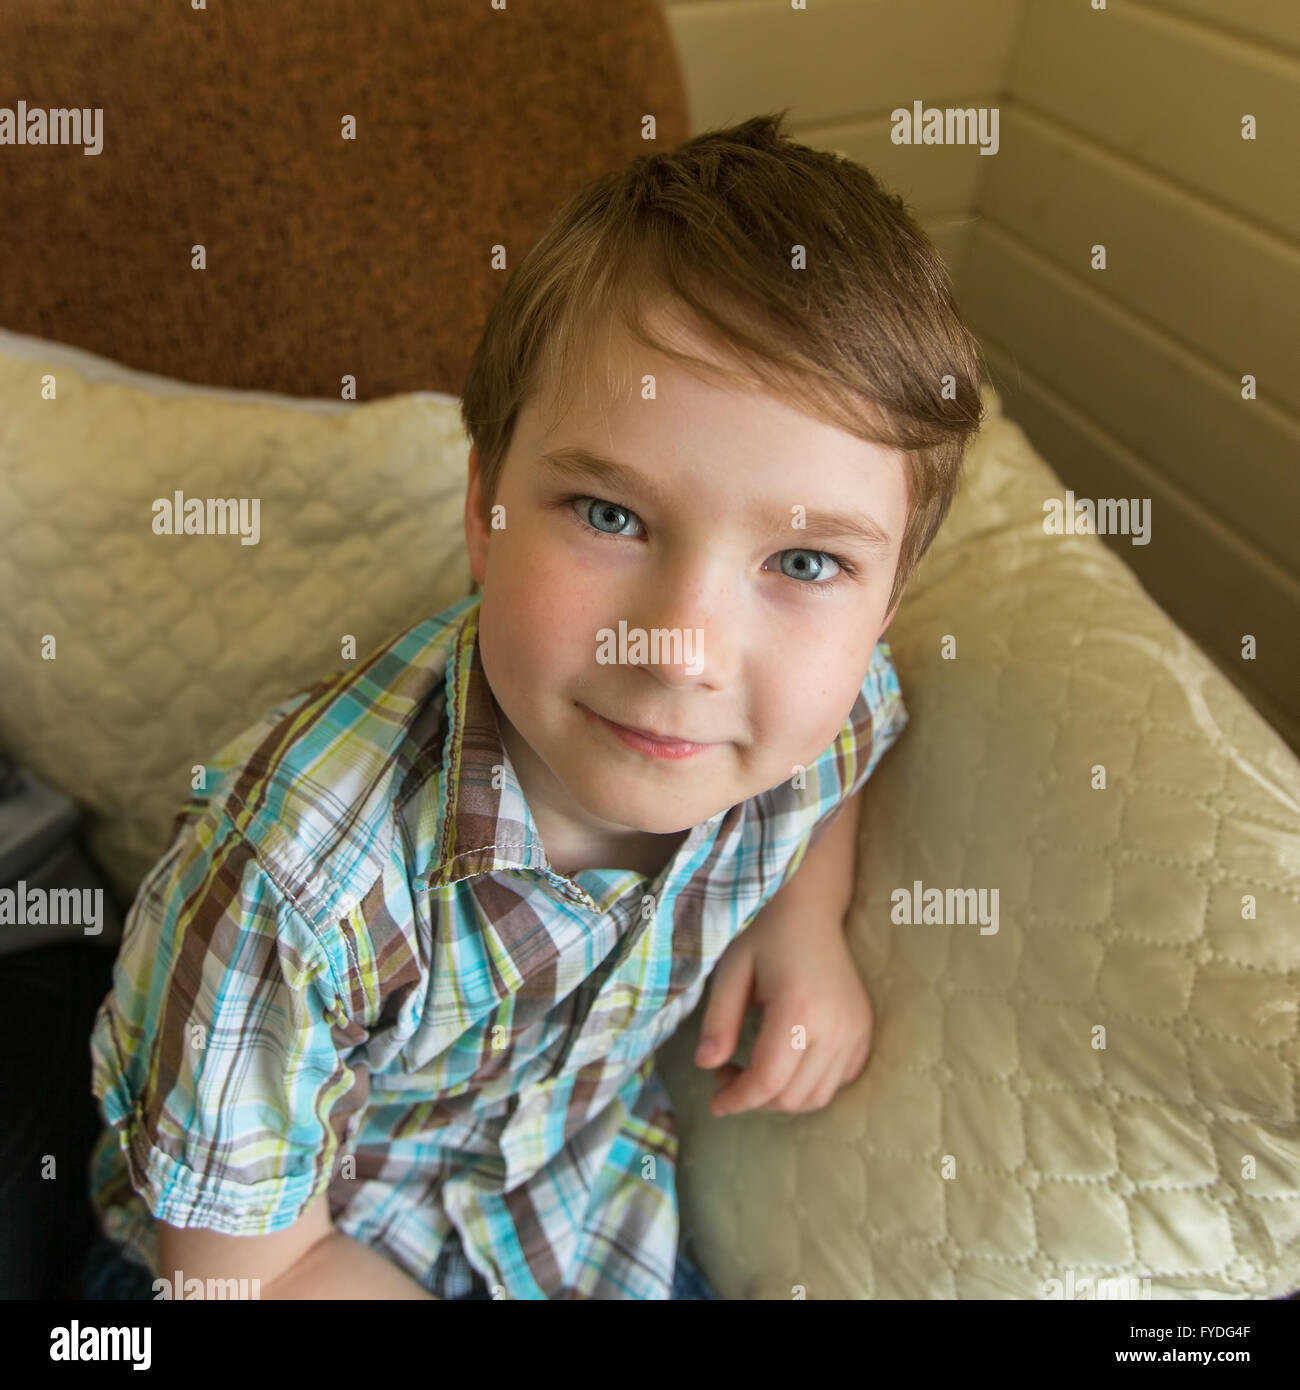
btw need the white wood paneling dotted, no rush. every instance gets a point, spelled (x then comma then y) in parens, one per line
(1170, 95)
(1275, 22)
(1180, 412)
(837, 58)
(932, 179)
(1227, 289)
(951, 240)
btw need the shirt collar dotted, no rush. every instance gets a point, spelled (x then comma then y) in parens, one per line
(486, 824)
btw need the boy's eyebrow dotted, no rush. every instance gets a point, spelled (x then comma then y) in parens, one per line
(577, 462)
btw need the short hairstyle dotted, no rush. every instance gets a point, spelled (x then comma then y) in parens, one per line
(867, 337)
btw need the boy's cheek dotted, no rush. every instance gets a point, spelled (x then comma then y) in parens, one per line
(546, 586)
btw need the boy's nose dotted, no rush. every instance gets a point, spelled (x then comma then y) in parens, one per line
(687, 643)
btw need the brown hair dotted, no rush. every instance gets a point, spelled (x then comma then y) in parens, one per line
(867, 337)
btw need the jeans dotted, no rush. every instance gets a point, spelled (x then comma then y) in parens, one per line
(110, 1274)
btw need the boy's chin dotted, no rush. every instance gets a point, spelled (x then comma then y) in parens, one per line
(638, 811)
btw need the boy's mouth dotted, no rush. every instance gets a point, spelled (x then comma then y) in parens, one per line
(656, 745)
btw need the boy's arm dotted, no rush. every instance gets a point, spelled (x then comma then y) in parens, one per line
(245, 972)
(794, 960)
(339, 1267)
(309, 1259)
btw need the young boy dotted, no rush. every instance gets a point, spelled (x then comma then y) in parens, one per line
(384, 1018)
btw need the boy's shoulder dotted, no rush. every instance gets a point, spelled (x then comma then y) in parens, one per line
(313, 786)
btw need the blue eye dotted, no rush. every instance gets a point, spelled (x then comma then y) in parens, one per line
(607, 520)
(610, 517)
(803, 569)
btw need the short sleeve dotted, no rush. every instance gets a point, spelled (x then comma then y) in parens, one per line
(876, 720)
(218, 1054)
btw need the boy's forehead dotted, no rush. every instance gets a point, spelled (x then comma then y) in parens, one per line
(674, 426)
(612, 370)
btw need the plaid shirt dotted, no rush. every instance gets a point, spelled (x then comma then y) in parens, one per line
(355, 969)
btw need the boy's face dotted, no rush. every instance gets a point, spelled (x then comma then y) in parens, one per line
(772, 649)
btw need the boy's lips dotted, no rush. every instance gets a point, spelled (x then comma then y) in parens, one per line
(652, 734)
(668, 743)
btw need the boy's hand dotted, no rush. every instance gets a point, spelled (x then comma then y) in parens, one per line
(803, 976)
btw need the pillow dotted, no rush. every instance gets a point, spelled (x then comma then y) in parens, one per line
(166, 645)
(1161, 1155)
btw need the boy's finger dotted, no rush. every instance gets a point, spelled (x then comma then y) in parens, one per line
(773, 1064)
(724, 1014)
(724, 1076)
(812, 1086)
